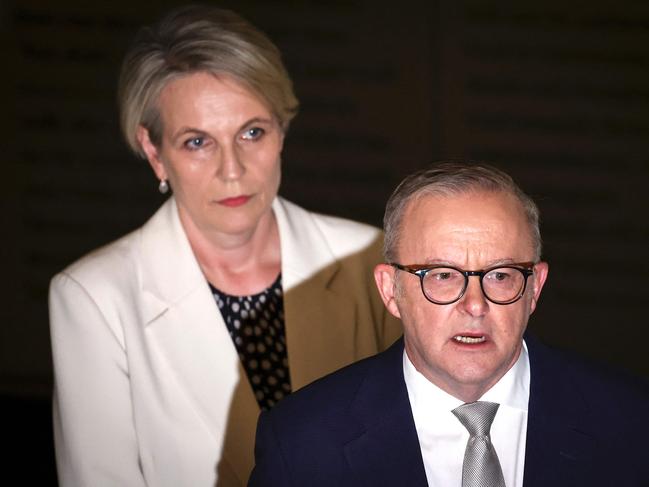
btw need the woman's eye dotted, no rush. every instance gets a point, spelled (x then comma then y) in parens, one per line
(195, 143)
(253, 133)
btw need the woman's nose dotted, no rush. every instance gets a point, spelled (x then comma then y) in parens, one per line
(230, 167)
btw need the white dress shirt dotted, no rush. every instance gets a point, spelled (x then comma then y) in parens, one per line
(443, 439)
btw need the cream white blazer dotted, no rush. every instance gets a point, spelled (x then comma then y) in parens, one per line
(149, 390)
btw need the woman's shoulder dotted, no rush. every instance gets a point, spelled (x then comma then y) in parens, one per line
(116, 260)
(105, 263)
(341, 234)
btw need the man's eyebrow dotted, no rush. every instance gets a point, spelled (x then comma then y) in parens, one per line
(439, 262)
(434, 262)
(498, 262)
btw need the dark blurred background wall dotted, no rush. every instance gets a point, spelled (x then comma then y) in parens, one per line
(555, 93)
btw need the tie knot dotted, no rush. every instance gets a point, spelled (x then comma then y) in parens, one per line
(477, 417)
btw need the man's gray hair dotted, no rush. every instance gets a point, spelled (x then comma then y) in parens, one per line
(451, 178)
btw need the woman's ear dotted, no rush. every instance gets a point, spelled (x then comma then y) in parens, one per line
(151, 152)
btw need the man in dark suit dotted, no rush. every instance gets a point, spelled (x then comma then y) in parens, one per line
(466, 398)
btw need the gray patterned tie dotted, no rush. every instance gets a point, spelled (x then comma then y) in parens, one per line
(481, 467)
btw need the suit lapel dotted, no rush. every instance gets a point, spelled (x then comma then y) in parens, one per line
(387, 450)
(320, 322)
(559, 447)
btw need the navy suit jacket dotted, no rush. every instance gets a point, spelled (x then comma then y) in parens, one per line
(586, 426)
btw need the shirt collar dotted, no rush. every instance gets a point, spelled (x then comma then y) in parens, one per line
(512, 390)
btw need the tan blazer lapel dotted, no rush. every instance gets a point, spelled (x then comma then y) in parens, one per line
(320, 329)
(320, 322)
(237, 459)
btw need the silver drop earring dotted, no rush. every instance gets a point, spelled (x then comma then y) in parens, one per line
(163, 187)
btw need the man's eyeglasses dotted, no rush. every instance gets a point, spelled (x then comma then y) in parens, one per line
(504, 284)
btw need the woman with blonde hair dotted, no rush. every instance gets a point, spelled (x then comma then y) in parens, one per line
(168, 342)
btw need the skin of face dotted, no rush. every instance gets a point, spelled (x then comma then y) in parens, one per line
(471, 231)
(220, 151)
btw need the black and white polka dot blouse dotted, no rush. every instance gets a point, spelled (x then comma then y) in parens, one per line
(256, 326)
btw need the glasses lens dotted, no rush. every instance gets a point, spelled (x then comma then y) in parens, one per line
(503, 284)
(443, 284)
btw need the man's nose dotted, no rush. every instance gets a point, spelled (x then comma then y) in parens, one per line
(474, 301)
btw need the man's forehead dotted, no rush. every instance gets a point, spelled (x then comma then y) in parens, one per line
(472, 219)
(465, 204)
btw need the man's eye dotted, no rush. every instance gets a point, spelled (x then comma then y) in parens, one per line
(498, 276)
(253, 133)
(195, 143)
(443, 275)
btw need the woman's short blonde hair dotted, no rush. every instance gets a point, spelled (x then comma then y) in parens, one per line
(199, 39)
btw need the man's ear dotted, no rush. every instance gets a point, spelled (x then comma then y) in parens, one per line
(384, 275)
(151, 152)
(538, 280)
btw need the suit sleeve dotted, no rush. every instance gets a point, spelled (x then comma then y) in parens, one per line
(270, 468)
(94, 430)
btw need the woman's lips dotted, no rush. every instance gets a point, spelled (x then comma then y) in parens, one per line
(234, 201)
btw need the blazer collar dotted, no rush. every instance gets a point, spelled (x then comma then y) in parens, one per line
(169, 269)
(187, 330)
(387, 448)
(559, 443)
(320, 315)
(175, 295)
(305, 250)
